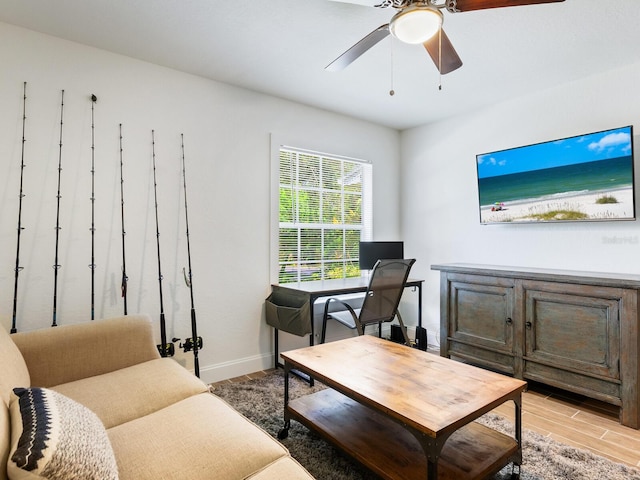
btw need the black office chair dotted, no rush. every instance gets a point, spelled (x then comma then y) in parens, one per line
(381, 299)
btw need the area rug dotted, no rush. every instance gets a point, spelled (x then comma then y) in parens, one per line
(261, 400)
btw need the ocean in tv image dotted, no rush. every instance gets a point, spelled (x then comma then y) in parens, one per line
(587, 177)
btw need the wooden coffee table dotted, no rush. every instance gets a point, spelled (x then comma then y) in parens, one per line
(405, 413)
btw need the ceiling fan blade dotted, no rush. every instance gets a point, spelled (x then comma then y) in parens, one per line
(450, 59)
(468, 5)
(348, 57)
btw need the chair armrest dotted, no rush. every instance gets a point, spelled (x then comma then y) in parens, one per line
(344, 304)
(71, 352)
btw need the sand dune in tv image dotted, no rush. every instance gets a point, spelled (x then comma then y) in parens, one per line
(603, 205)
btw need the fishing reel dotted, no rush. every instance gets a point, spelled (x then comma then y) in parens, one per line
(169, 348)
(187, 346)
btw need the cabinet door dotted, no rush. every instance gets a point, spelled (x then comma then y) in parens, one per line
(481, 313)
(573, 327)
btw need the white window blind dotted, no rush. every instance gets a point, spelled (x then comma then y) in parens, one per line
(324, 212)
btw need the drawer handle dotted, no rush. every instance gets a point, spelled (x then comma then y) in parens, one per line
(528, 324)
(509, 321)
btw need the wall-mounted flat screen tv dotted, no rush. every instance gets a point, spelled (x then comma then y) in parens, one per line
(583, 178)
(371, 252)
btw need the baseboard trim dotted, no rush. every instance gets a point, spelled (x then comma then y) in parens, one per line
(236, 368)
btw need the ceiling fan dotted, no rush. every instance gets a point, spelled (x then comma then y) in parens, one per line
(420, 21)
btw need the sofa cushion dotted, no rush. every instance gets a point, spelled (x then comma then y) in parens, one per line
(71, 352)
(14, 369)
(5, 439)
(54, 437)
(285, 467)
(201, 437)
(120, 396)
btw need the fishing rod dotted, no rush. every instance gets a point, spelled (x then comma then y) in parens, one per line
(57, 266)
(92, 266)
(196, 342)
(20, 227)
(123, 285)
(163, 328)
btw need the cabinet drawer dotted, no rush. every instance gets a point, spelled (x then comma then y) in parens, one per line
(592, 387)
(482, 357)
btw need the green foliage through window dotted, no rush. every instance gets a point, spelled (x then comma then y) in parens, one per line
(321, 216)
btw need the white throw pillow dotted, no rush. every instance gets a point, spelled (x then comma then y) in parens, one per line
(56, 438)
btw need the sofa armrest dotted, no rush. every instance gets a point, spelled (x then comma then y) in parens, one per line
(71, 352)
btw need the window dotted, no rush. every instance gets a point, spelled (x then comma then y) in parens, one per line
(324, 211)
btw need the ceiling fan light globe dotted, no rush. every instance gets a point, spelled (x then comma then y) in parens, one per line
(415, 24)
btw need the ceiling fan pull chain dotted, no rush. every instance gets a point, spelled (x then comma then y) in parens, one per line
(440, 57)
(392, 92)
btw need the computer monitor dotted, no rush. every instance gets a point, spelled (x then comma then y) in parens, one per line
(371, 252)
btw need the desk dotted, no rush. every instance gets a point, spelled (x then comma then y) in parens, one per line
(332, 288)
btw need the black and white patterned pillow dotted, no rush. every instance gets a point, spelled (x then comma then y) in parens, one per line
(56, 438)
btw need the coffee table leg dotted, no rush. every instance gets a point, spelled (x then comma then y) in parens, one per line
(518, 406)
(432, 448)
(284, 432)
(432, 469)
(515, 474)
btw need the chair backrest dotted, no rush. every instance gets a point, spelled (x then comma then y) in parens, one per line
(385, 290)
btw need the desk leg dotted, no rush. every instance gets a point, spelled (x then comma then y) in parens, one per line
(312, 300)
(311, 337)
(287, 370)
(420, 304)
(277, 364)
(275, 344)
(284, 432)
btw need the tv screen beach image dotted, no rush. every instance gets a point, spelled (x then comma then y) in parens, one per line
(583, 178)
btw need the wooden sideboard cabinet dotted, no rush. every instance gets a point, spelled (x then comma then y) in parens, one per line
(574, 330)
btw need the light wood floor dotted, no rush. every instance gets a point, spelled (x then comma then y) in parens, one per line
(578, 421)
(567, 418)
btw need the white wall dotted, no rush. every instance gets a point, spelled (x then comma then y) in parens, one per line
(227, 144)
(439, 196)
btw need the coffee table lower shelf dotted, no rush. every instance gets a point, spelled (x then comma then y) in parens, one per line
(390, 450)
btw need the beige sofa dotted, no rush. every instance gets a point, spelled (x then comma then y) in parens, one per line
(161, 422)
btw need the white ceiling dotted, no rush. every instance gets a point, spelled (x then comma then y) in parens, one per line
(281, 47)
